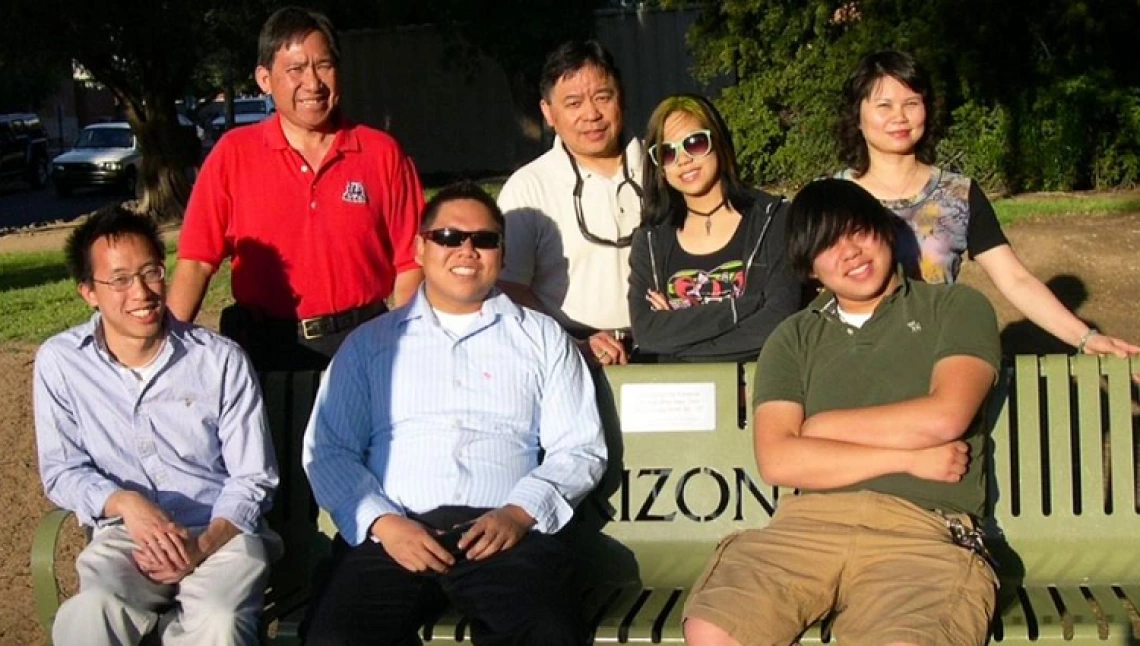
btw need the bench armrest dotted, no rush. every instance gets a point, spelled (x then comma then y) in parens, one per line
(44, 586)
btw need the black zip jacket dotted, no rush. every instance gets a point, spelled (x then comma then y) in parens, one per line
(729, 330)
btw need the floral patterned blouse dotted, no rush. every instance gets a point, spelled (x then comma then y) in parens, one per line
(948, 217)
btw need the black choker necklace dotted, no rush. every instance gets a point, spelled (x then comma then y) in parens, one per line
(708, 215)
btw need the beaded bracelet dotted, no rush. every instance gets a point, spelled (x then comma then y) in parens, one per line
(1085, 339)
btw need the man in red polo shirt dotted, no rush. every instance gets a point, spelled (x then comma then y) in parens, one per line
(318, 215)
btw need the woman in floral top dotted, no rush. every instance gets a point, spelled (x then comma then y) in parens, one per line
(886, 140)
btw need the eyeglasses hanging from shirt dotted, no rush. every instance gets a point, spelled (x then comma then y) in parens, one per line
(579, 185)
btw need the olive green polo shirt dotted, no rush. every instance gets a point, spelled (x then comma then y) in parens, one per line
(821, 363)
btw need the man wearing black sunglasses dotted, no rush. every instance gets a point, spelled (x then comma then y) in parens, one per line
(573, 210)
(424, 447)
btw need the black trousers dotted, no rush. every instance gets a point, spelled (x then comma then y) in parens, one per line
(524, 596)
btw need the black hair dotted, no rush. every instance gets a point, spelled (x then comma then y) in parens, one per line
(461, 190)
(663, 203)
(290, 25)
(572, 56)
(112, 221)
(871, 69)
(828, 209)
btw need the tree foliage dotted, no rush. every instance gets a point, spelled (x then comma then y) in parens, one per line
(25, 82)
(1035, 94)
(147, 55)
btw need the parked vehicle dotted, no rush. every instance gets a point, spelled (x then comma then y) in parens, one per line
(246, 111)
(23, 149)
(106, 154)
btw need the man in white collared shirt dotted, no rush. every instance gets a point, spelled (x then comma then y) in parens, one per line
(571, 212)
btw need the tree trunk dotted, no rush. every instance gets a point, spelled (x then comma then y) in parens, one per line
(228, 94)
(170, 154)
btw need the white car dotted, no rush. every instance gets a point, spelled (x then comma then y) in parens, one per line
(246, 111)
(106, 154)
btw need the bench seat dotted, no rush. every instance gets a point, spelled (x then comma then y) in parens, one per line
(1062, 519)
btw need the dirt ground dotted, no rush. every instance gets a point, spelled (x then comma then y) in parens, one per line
(1091, 263)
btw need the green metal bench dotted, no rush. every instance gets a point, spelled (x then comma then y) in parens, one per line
(1064, 513)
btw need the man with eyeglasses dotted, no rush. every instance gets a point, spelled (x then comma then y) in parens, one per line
(318, 215)
(425, 443)
(152, 432)
(573, 210)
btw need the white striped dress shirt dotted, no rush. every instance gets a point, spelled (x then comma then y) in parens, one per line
(410, 417)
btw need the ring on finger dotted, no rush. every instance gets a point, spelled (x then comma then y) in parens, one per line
(603, 355)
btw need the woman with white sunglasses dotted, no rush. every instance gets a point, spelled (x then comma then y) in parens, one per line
(709, 280)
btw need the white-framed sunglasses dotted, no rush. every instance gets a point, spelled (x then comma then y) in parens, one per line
(696, 145)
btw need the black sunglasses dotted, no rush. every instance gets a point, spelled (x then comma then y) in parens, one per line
(455, 238)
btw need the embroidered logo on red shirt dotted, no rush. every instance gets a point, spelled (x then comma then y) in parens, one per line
(354, 193)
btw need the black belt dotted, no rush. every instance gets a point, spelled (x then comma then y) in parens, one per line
(318, 326)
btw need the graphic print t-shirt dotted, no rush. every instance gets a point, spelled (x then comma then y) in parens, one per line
(708, 278)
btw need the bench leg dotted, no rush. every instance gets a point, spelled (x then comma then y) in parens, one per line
(44, 586)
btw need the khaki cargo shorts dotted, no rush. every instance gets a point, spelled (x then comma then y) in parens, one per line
(887, 567)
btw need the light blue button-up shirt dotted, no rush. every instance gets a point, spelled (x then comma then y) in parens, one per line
(411, 417)
(192, 437)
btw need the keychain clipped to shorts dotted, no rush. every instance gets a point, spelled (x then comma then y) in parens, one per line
(968, 537)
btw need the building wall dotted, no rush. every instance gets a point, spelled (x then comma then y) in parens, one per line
(451, 115)
(456, 116)
(649, 47)
(75, 105)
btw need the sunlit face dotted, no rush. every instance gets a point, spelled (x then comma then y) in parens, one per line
(458, 279)
(857, 269)
(691, 175)
(584, 108)
(133, 315)
(303, 82)
(892, 118)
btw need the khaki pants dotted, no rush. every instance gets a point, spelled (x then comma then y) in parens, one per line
(886, 567)
(219, 603)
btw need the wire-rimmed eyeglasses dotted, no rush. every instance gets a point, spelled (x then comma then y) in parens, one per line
(122, 282)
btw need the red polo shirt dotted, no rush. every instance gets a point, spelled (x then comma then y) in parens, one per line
(305, 244)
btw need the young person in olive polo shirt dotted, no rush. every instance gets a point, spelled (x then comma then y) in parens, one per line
(868, 402)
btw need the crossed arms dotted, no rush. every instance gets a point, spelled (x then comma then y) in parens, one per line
(919, 436)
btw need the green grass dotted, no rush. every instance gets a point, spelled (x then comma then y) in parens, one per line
(1035, 206)
(218, 293)
(39, 299)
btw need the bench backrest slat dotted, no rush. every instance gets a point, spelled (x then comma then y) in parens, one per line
(1063, 486)
(1062, 497)
(1123, 438)
(1091, 446)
